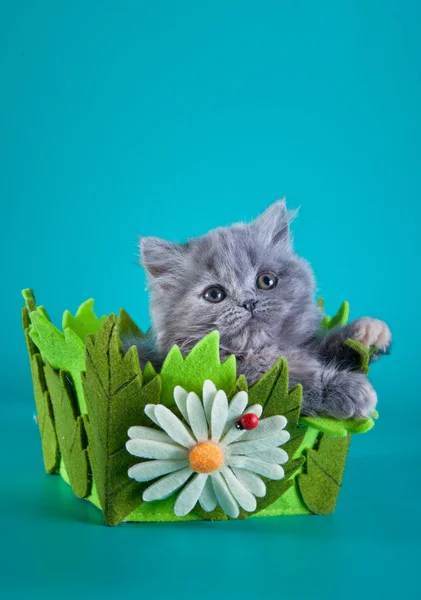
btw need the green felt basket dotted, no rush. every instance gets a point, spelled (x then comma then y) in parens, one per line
(88, 394)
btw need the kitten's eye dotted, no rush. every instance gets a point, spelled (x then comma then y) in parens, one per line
(267, 281)
(214, 294)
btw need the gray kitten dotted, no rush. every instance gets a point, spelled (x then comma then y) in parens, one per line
(247, 282)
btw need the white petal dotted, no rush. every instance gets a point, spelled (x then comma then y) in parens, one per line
(219, 415)
(251, 481)
(256, 465)
(208, 394)
(275, 455)
(244, 498)
(152, 469)
(236, 408)
(233, 433)
(173, 426)
(259, 444)
(180, 397)
(225, 499)
(197, 418)
(207, 498)
(267, 427)
(167, 485)
(154, 449)
(147, 433)
(150, 412)
(189, 496)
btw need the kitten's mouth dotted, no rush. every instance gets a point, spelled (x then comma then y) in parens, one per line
(252, 321)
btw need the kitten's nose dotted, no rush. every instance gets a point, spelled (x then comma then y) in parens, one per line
(250, 305)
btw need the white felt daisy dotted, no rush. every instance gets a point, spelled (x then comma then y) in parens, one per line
(210, 458)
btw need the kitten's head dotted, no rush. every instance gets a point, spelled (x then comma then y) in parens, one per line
(244, 280)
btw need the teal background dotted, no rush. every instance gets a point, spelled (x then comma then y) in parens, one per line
(168, 119)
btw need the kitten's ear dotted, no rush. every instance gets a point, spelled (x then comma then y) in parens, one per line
(273, 224)
(160, 258)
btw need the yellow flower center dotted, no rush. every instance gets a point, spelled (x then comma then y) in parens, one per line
(206, 457)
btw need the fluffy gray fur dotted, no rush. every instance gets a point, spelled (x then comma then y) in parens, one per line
(285, 320)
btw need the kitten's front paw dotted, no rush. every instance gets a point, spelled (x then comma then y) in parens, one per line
(372, 332)
(364, 398)
(348, 395)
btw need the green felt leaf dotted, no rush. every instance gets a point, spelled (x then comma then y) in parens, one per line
(324, 323)
(321, 480)
(148, 372)
(126, 325)
(63, 351)
(341, 317)
(44, 409)
(241, 384)
(84, 322)
(363, 352)
(262, 389)
(321, 304)
(338, 320)
(201, 363)
(116, 399)
(70, 430)
(31, 304)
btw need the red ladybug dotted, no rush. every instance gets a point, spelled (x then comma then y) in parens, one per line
(249, 421)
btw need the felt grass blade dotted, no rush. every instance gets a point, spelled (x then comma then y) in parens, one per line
(31, 304)
(262, 389)
(126, 325)
(320, 483)
(338, 320)
(63, 351)
(70, 430)
(148, 372)
(364, 354)
(116, 400)
(84, 322)
(44, 409)
(341, 317)
(241, 384)
(201, 363)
